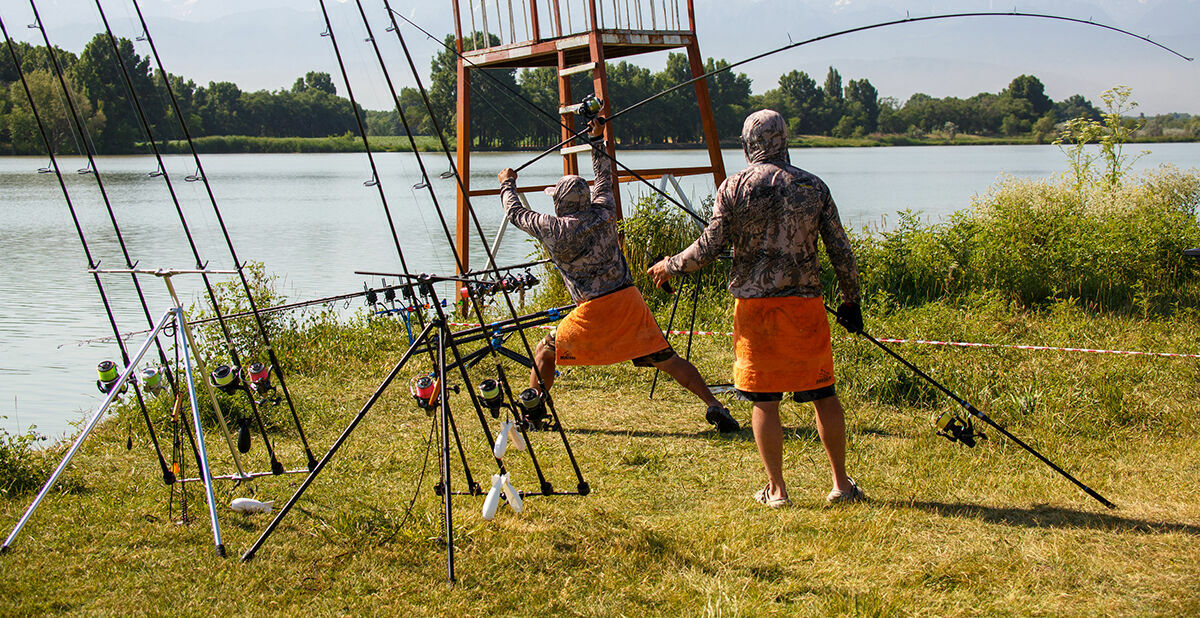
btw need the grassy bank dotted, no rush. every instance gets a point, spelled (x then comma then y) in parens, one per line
(670, 527)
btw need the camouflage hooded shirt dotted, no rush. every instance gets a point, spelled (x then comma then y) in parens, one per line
(771, 213)
(581, 236)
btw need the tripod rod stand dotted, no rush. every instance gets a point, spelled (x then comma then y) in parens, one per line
(445, 340)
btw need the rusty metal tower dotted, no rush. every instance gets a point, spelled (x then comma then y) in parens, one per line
(574, 36)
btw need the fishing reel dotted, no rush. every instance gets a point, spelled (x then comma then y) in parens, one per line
(152, 380)
(956, 429)
(225, 378)
(589, 108)
(424, 390)
(492, 396)
(533, 408)
(109, 375)
(259, 377)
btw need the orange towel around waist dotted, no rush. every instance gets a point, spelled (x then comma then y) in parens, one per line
(781, 345)
(609, 329)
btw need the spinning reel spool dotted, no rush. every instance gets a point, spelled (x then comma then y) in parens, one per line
(259, 376)
(225, 378)
(107, 370)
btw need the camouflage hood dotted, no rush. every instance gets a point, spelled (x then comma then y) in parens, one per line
(764, 137)
(571, 195)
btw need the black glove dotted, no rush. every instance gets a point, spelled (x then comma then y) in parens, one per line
(849, 315)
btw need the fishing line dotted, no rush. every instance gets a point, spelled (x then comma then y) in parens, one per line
(168, 478)
(546, 488)
(276, 466)
(378, 183)
(275, 364)
(885, 24)
(460, 266)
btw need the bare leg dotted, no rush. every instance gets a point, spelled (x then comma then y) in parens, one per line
(768, 434)
(688, 377)
(831, 425)
(543, 363)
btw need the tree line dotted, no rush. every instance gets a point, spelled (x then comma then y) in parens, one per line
(500, 119)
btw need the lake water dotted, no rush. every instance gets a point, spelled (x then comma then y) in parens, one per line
(311, 220)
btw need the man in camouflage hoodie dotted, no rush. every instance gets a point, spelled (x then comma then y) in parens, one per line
(611, 322)
(772, 213)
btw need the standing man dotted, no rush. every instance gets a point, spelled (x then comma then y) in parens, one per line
(611, 322)
(771, 213)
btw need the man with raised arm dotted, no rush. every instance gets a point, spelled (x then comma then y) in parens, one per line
(611, 322)
(771, 213)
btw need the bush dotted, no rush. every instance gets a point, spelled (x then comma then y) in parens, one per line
(1111, 246)
(21, 467)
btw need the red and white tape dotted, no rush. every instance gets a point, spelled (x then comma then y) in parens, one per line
(958, 344)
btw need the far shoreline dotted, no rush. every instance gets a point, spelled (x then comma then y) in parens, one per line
(237, 144)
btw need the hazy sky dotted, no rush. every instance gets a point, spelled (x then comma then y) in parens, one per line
(268, 43)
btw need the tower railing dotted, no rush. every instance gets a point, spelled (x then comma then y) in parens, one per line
(514, 22)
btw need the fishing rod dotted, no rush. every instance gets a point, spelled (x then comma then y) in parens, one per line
(275, 365)
(324, 300)
(543, 394)
(556, 120)
(93, 169)
(894, 22)
(167, 475)
(956, 430)
(228, 380)
(460, 263)
(377, 181)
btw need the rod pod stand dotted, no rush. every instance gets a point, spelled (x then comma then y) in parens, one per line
(177, 315)
(975, 412)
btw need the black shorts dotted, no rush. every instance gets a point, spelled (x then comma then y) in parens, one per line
(641, 361)
(815, 394)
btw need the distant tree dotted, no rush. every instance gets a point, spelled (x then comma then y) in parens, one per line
(314, 79)
(1029, 88)
(834, 102)
(219, 106)
(56, 117)
(99, 73)
(862, 103)
(1076, 106)
(1043, 128)
(803, 100)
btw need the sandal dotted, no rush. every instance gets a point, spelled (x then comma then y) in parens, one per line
(762, 497)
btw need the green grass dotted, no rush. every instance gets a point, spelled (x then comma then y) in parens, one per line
(670, 527)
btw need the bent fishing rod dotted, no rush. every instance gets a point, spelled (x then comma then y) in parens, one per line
(583, 487)
(557, 121)
(276, 466)
(274, 364)
(957, 433)
(894, 22)
(167, 475)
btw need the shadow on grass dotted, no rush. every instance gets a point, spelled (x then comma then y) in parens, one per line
(1047, 517)
(807, 434)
